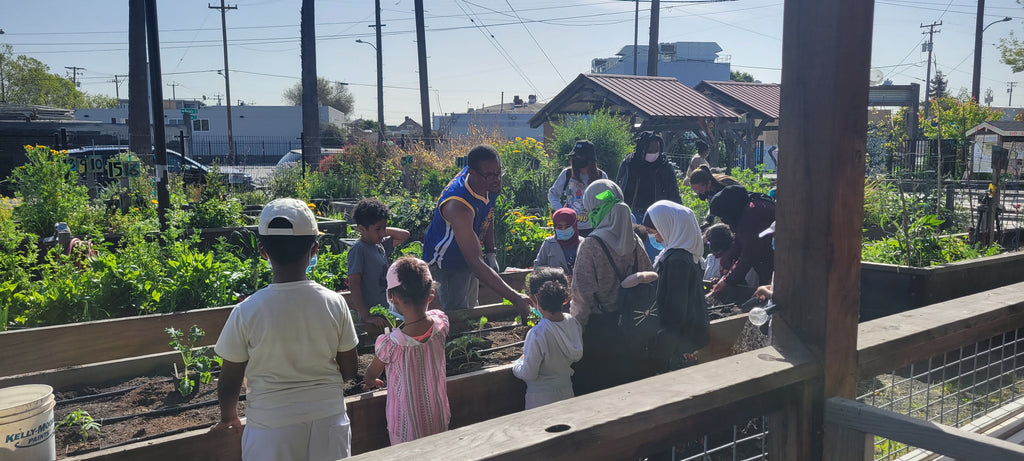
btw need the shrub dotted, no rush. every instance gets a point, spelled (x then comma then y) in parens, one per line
(529, 173)
(412, 213)
(50, 193)
(610, 134)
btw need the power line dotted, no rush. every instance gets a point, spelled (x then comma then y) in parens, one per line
(541, 48)
(74, 74)
(497, 46)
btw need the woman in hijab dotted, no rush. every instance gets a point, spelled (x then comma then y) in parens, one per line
(559, 250)
(607, 361)
(681, 309)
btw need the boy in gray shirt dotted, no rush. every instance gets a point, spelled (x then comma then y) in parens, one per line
(368, 258)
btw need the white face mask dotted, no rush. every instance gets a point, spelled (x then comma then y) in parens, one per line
(652, 157)
(585, 178)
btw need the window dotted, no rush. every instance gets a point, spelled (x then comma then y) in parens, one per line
(175, 122)
(201, 124)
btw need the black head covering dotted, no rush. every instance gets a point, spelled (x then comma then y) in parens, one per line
(729, 203)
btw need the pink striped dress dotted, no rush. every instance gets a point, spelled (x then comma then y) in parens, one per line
(417, 403)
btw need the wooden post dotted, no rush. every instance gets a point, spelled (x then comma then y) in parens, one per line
(825, 60)
(310, 98)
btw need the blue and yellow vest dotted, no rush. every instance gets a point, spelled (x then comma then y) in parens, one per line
(439, 246)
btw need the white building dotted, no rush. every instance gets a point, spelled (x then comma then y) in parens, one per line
(689, 62)
(510, 119)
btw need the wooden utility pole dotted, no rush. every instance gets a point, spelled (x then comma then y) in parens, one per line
(310, 110)
(117, 85)
(140, 140)
(652, 47)
(928, 73)
(380, 80)
(819, 213)
(421, 46)
(227, 78)
(156, 94)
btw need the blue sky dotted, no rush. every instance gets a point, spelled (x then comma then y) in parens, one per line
(537, 45)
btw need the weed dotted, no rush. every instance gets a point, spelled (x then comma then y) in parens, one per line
(466, 346)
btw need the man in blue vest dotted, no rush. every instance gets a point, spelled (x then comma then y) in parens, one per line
(463, 220)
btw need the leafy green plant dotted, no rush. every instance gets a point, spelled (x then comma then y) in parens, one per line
(482, 323)
(84, 422)
(50, 193)
(518, 236)
(531, 320)
(193, 357)
(384, 312)
(466, 346)
(610, 134)
(411, 212)
(331, 267)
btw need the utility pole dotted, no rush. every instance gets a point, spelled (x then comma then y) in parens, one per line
(636, 33)
(978, 31)
(1009, 89)
(421, 46)
(380, 82)
(163, 197)
(928, 73)
(117, 85)
(310, 110)
(74, 74)
(652, 47)
(140, 140)
(218, 97)
(3, 88)
(174, 94)
(227, 79)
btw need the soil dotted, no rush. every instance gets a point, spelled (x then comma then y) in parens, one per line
(152, 407)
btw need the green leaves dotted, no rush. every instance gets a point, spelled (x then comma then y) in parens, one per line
(383, 312)
(194, 358)
(84, 422)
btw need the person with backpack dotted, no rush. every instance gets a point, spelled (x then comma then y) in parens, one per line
(682, 312)
(611, 253)
(567, 191)
(747, 214)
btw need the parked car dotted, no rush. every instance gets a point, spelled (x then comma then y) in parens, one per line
(295, 155)
(99, 160)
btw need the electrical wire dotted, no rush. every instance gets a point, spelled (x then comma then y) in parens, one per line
(535, 42)
(497, 46)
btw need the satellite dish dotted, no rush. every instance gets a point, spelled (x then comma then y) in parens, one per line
(876, 77)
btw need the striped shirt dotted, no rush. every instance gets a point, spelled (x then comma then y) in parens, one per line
(439, 245)
(417, 404)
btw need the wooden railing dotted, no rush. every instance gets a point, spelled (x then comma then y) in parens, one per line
(650, 415)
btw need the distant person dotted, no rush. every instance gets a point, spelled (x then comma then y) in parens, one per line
(646, 176)
(567, 191)
(706, 184)
(560, 249)
(413, 357)
(720, 240)
(698, 160)
(682, 312)
(464, 219)
(551, 346)
(295, 343)
(368, 258)
(747, 215)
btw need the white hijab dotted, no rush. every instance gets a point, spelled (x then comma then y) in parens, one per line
(678, 228)
(616, 229)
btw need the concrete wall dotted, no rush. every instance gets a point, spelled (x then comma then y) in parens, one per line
(264, 121)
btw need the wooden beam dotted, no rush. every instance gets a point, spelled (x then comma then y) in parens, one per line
(625, 421)
(932, 436)
(898, 340)
(826, 54)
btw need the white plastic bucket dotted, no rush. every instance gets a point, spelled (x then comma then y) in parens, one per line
(26, 423)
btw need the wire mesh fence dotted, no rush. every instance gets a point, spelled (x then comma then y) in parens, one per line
(954, 388)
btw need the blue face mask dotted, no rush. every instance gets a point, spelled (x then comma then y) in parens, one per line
(655, 243)
(312, 264)
(564, 235)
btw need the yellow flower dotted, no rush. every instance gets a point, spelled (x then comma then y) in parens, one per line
(310, 205)
(508, 248)
(154, 201)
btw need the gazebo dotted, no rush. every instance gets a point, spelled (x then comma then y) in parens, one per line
(758, 104)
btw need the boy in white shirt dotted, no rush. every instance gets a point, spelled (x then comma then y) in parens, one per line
(296, 344)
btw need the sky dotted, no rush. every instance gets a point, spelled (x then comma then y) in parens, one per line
(476, 49)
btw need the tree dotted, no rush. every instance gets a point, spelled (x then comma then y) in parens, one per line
(329, 93)
(99, 101)
(27, 80)
(739, 76)
(609, 132)
(332, 135)
(938, 87)
(956, 115)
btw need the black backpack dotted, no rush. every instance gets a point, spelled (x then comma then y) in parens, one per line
(637, 299)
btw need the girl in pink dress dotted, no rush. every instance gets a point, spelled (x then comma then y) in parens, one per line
(412, 356)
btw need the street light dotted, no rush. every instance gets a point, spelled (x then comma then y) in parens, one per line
(380, 93)
(979, 31)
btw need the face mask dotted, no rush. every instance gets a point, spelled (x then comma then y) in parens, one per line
(651, 158)
(564, 235)
(655, 243)
(312, 264)
(579, 163)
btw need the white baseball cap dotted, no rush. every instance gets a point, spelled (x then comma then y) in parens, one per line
(294, 211)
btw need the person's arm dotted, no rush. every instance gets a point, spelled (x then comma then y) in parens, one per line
(460, 217)
(348, 363)
(584, 284)
(542, 256)
(372, 378)
(229, 386)
(763, 292)
(398, 235)
(623, 175)
(490, 252)
(528, 366)
(555, 192)
(672, 185)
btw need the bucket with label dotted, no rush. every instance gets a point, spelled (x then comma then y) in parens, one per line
(26, 423)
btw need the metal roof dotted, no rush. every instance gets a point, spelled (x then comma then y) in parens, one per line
(661, 100)
(761, 98)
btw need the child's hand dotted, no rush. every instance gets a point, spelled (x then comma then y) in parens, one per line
(377, 383)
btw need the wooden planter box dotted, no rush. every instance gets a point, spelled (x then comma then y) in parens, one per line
(889, 289)
(474, 397)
